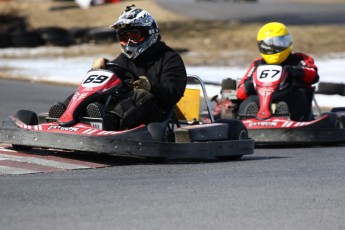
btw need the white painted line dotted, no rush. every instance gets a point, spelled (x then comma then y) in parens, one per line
(38, 161)
(12, 170)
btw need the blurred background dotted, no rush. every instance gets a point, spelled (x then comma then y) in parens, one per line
(205, 32)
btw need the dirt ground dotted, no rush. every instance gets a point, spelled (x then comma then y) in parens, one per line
(209, 43)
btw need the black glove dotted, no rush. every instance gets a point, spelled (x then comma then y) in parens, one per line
(249, 86)
(142, 83)
(294, 72)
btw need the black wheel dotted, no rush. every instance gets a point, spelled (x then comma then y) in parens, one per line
(341, 121)
(237, 131)
(247, 107)
(11, 23)
(5, 40)
(79, 35)
(102, 35)
(332, 121)
(55, 36)
(331, 88)
(26, 39)
(29, 118)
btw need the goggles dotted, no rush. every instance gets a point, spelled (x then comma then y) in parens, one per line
(133, 36)
(274, 45)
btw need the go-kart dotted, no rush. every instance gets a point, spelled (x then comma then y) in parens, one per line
(269, 128)
(179, 136)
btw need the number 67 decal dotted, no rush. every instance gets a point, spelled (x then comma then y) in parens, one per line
(269, 73)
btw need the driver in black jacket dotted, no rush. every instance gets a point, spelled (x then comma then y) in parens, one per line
(161, 75)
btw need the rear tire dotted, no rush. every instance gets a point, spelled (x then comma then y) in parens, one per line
(237, 131)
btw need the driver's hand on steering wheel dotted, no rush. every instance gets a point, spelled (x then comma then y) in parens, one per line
(142, 83)
(99, 63)
(295, 72)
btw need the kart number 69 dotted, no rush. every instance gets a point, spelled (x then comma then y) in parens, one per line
(96, 78)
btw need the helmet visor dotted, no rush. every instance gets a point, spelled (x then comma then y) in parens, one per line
(131, 36)
(275, 44)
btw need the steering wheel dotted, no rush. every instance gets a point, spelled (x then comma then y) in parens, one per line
(117, 66)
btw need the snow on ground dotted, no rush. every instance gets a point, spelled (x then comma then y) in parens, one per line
(73, 70)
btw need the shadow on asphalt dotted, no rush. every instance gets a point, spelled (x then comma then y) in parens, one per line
(112, 160)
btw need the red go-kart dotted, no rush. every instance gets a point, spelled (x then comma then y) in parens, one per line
(269, 128)
(173, 138)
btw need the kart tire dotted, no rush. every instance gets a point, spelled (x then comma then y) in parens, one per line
(102, 35)
(26, 39)
(340, 112)
(341, 121)
(331, 88)
(55, 36)
(28, 118)
(5, 40)
(79, 35)
(333, 120)
(237, 131)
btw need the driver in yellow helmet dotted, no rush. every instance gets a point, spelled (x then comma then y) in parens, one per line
(275, 46)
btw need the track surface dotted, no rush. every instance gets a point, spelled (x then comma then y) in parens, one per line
(261, 12)
(300, 188)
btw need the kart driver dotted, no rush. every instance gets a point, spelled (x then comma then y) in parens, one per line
(162, 75)
(275, 46)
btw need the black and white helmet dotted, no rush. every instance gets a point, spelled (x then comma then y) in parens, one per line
(137, 30)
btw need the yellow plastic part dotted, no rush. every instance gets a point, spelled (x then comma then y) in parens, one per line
(188, 108)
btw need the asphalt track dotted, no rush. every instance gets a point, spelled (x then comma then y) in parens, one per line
(298, 188)
(291, 188)
(261, 12)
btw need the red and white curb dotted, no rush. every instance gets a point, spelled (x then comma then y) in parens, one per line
(13, 162)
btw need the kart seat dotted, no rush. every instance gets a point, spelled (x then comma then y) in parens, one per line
(186, 111)
(188, 108)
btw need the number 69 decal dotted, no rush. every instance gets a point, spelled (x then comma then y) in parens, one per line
(269, 73)
(96, 78)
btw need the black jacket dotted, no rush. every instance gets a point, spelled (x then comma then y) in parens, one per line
(165, 70)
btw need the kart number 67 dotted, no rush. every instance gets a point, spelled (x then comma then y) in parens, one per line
(269, 73)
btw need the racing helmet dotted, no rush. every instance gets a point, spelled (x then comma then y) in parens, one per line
(275, 42)
(137, 30)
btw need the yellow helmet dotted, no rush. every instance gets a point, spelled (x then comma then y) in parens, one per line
(275, 42)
